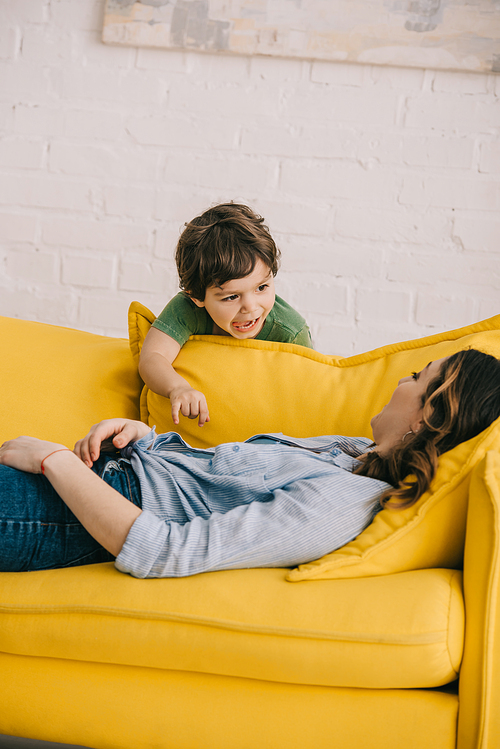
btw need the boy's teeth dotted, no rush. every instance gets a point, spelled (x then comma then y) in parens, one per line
(244, 324)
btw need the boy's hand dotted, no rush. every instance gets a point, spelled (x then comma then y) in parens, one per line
(155, 367)
(190, 403)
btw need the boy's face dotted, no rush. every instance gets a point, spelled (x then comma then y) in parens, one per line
(240, 307)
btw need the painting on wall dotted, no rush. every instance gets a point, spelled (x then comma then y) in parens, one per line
(450, 34)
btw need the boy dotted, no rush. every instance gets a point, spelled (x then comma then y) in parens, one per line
(226, 260)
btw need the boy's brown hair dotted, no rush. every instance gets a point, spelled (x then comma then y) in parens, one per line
(223, 244)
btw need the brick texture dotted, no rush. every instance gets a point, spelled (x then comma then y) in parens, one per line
(380, 184)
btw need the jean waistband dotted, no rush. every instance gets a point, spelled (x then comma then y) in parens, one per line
(118, 473)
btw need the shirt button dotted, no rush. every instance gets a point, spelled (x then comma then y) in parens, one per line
(236, 448)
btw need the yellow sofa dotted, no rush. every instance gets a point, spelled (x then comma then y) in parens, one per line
(383, 644)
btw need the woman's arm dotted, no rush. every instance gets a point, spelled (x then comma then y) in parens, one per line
(158, 352)
(103, 512)
(106, 514)
(303, 521)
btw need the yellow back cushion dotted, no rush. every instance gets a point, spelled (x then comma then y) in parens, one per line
(56, 382)
(429, 534)
(261, 386)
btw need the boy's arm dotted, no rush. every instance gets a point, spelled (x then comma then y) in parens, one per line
(158, 352)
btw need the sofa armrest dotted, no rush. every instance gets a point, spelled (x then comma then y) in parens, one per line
(479, 717)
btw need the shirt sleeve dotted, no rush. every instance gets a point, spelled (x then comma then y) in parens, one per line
(181, 318)
(303, 338)
(301, 522)
(285, 324)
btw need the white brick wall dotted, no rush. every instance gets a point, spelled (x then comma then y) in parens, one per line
(381, 185)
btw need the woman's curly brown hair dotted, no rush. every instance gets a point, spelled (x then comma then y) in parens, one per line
(459, 403)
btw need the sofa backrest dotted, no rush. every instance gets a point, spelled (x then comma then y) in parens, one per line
(56, 382)
(257, 386)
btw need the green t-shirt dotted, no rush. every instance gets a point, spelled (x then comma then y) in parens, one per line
(182, 318)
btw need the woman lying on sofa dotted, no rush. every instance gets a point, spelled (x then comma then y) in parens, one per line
(164, 509)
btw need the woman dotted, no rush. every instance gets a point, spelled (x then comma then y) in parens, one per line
(165, 509)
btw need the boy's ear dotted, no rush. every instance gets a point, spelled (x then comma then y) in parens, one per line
(198, 302)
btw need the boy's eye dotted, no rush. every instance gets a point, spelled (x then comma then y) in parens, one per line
(262, 286)
(414, 375)
(230, 298)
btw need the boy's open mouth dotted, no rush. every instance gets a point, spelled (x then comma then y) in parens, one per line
(244, 327)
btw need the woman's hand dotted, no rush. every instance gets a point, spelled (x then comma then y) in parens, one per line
(27, 453)
(115, 432)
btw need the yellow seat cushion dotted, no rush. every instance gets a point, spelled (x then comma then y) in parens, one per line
(109, 706)
(397, 631)
(262, 386)
(56, 382)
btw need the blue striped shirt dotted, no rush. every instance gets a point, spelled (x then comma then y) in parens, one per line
(272, 501)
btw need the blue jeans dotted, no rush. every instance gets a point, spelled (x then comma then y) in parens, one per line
(39, 532)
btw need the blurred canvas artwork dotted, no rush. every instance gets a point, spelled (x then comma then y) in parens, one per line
(449, 34)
